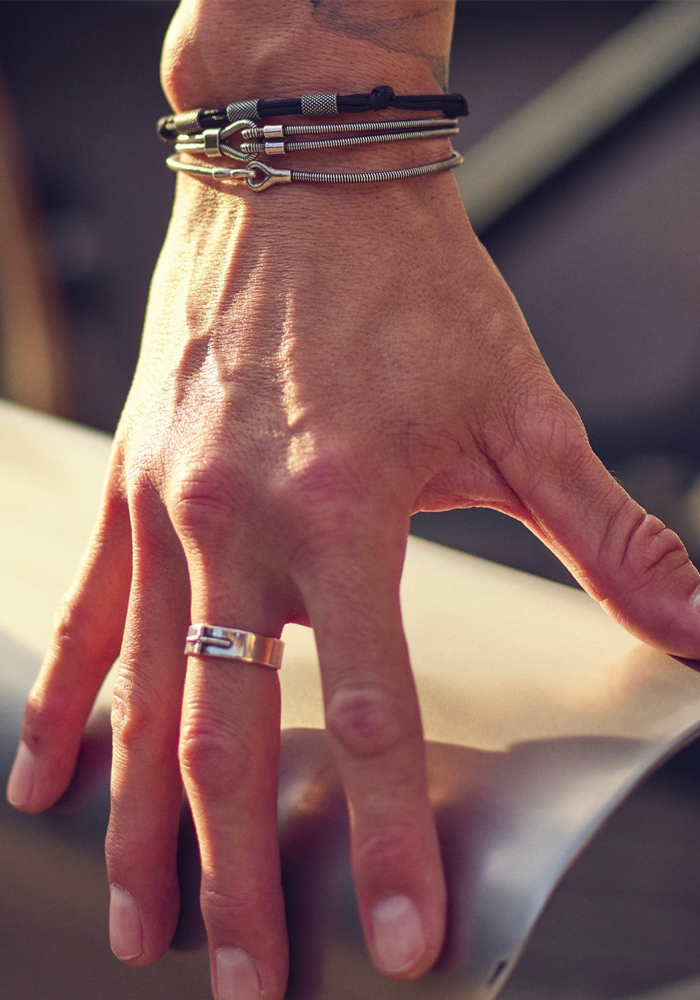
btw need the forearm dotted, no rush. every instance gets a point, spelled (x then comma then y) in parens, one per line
(221, 50)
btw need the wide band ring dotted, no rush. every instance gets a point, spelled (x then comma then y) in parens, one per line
(233, 644)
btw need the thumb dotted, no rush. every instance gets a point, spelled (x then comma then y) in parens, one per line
(627, 559)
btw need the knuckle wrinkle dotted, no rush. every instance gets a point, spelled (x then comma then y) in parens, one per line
(364, 721)
(130, 716)
(216, 762)
(649, 545)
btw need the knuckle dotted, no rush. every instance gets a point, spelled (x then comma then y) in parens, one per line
(44, 715)
(646, 546)
(365, 720)
(73, 629)
(201, 503)
(221, 905)
(115, 505)
(227, 905)
(202, 519)
(76, 641)
(215, 760)
(323, 482)
(121, 840)
(539, 422)
(389, 847)
(132, 720)
(554, 428)
(324, 502)
(141, 491)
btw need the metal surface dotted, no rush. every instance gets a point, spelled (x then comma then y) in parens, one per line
(279, 131)
(353, 140)
(242, 109)
(273, 131)
(234, 644)
(211, 145)
(211, 141)
(187, 122)
(540, 715)
(236, 175)
(319, 104)
(376, 176)
(259, 176)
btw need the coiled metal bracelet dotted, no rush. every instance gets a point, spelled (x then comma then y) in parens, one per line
(213, 142)
(259, 176)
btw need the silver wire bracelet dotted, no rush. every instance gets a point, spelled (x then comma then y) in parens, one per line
(259, 176)
(212, 142)
(277, 131)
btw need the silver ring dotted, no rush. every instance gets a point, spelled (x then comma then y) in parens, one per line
(233, 644)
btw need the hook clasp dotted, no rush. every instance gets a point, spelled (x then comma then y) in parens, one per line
(271, 176)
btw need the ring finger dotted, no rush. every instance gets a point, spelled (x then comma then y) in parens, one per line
(229, 748)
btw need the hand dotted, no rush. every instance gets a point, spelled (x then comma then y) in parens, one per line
(316, 366)
(296, 400)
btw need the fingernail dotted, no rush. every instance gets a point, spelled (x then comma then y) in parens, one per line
(21, 782)
(236, 976)
(695, 600)
(125, 934)
(399, 938)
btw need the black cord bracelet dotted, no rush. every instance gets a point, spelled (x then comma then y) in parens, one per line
(191, 122)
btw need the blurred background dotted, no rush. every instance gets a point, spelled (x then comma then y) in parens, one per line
(602, 251)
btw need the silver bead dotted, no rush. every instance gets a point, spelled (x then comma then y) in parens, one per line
(319, 104)
(243, 109)
(187, 122)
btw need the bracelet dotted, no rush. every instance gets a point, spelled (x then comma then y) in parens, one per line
(381, 98)
(250, 175)
(212, 141)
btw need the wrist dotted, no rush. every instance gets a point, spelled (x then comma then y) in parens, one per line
(217, 51)
(301, 216)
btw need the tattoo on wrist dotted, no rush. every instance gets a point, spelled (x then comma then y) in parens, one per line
(394, 31)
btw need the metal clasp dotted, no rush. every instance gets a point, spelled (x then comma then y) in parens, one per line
(235, 154)
(206, 142)
(235, 175)
(270, 176)
(212, 141)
